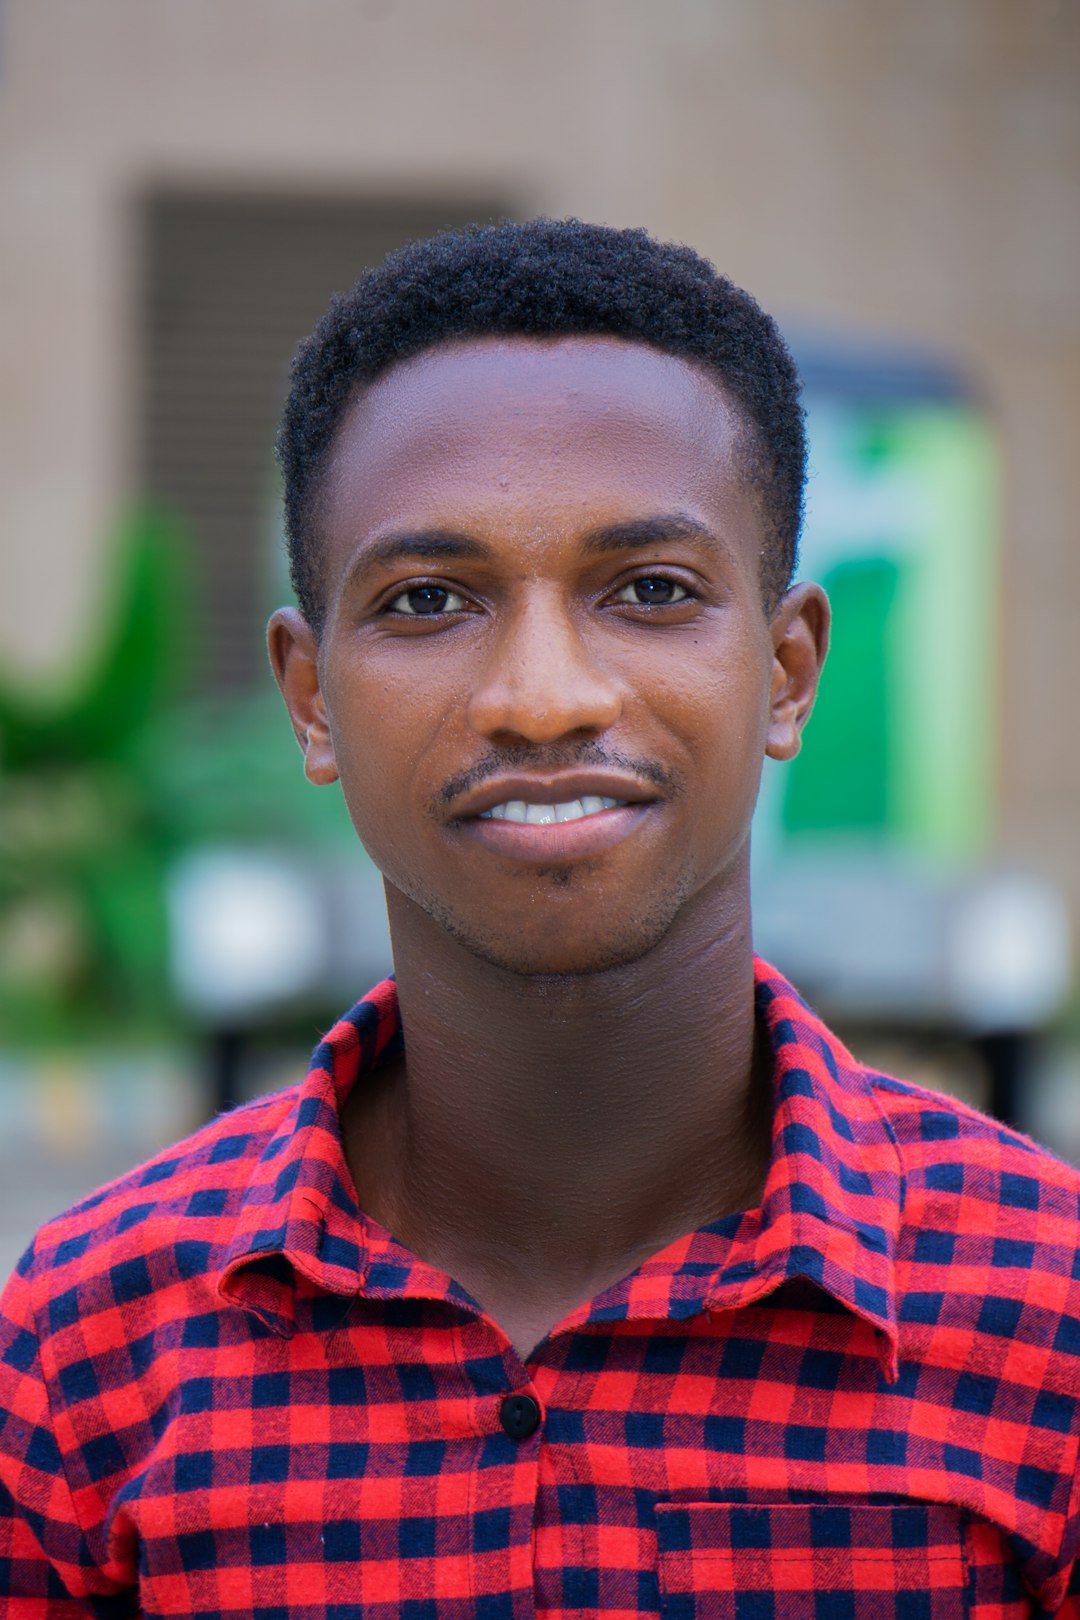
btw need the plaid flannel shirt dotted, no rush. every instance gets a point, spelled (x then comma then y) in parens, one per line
(224, 1391)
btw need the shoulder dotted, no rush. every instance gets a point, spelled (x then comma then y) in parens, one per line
(948, 1147)
(988, 1254)
(166, 1220)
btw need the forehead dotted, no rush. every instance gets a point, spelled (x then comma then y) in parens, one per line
(476, 428)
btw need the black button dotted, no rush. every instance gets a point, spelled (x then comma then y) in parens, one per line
(519, 1416)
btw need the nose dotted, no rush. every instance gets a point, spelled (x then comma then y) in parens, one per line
(542, 682)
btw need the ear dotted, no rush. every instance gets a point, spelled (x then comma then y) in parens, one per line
(294, 656)
(800, 638)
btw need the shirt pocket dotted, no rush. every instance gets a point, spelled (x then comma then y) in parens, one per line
(811, 1561)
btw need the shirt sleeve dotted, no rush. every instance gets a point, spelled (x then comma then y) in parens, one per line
(1069, 1608)
(46, 1571)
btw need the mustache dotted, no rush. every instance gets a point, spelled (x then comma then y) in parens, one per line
(556, 759)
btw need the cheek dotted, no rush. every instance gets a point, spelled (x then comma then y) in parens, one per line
(720, 709)
(387, 734)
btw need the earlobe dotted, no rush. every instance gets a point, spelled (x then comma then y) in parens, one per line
(800, 636)
(294, 658)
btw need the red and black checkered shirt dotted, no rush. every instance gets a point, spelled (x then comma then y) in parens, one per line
(227, 1392)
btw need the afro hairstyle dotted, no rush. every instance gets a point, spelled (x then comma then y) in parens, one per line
(538, 279)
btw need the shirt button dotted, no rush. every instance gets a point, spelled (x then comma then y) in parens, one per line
(519, 1416)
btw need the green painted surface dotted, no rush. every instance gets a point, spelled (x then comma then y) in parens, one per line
(843, 781)
(902, 531)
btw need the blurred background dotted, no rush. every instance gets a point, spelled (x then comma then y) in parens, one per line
(182, 185)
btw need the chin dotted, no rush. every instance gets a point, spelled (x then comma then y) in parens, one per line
(559, 955)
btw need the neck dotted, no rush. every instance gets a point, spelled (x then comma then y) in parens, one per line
(564, 1127)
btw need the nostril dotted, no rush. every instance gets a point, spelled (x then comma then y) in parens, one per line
(544, 711)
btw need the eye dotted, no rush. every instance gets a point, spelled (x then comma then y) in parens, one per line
(652, 590)
(423, 600)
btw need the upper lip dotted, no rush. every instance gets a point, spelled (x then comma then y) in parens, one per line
(552, 788)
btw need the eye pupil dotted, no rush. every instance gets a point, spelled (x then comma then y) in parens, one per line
(653, 591)
(428, 598)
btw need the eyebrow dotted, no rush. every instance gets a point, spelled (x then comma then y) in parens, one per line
(650, 531)
(424, 545)
(450, 545)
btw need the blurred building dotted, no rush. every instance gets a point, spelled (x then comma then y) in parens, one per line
(183, 182)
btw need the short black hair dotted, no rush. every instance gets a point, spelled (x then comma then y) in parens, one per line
(545, 278)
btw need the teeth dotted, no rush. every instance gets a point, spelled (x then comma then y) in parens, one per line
(544, 815)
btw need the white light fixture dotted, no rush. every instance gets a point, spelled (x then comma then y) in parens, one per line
(245, 931)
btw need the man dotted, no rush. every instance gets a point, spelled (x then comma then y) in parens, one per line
(586, 1273)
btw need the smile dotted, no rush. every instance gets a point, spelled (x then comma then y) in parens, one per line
(545, 815)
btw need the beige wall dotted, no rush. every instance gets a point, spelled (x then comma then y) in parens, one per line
(910, 169)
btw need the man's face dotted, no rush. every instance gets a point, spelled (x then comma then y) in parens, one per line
(546, 677)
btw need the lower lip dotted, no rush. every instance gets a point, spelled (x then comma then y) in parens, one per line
(559, 840)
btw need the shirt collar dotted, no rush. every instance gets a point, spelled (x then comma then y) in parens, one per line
(830, 1213)
(834, 1193)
